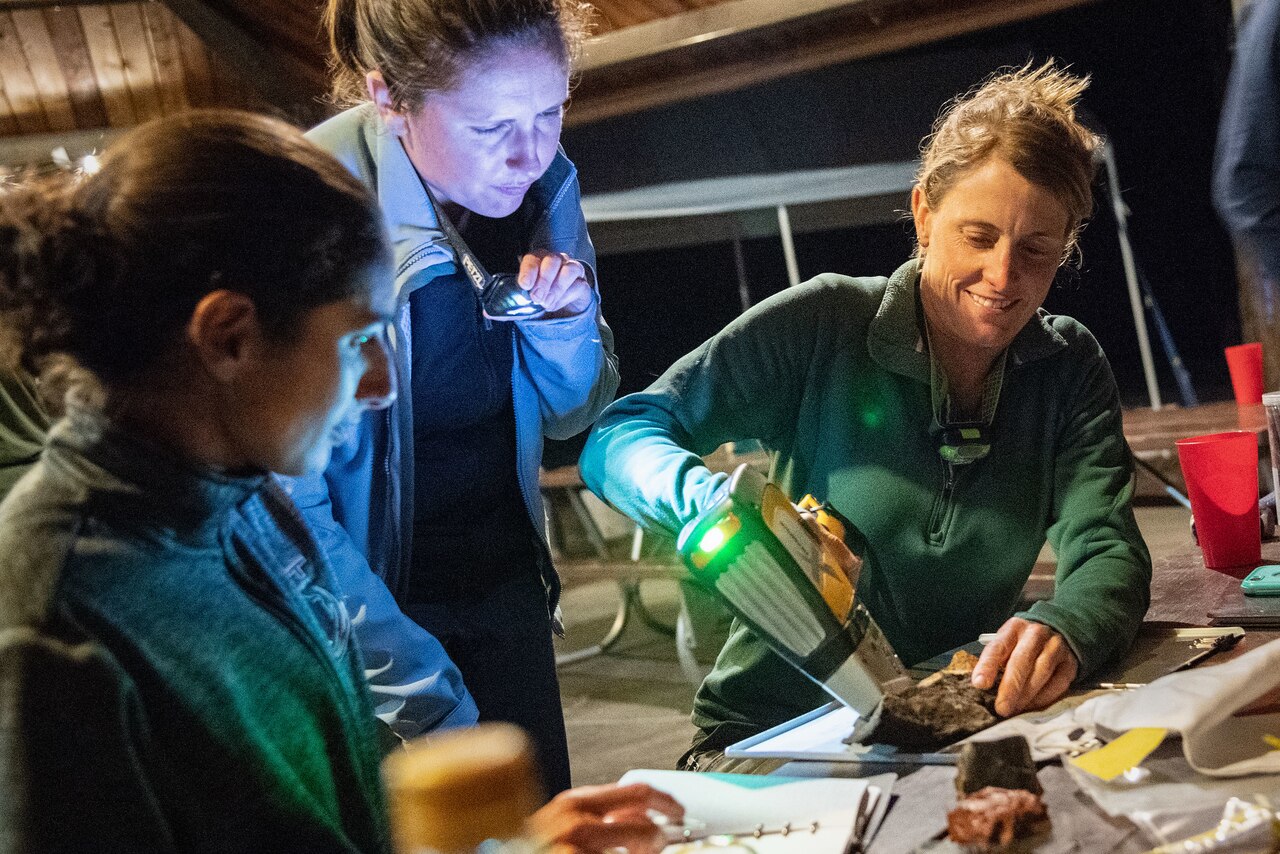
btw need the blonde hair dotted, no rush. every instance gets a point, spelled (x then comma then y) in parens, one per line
(1026, 117)
(423, 46)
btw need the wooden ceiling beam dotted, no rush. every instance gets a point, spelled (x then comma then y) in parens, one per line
(695, 26)
(685, 66)
(285, 83)
(15, 5)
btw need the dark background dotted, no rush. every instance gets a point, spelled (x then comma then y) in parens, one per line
(1158, 72)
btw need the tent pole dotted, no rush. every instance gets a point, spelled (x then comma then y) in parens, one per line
(740, 266)
(788, 247)
(1131, 276)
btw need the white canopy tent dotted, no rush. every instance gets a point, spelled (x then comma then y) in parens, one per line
(781, 191)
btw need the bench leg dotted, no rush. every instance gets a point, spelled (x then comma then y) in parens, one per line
(646, 616)
(630, 591)
(686, 643)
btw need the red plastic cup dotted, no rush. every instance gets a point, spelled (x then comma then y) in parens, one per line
(1221, 471)
(1244, 362)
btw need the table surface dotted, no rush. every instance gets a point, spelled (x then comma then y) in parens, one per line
(1183, 593)
(1149, 431)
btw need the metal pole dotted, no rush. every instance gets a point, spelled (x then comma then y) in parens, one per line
(740, 266)
(1131, 276)
(788, 247)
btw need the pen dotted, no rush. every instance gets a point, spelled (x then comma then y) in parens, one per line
(1121, 686)
(1222, 643)
(857, 842)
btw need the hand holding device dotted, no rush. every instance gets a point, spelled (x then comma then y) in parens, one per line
(556, 281)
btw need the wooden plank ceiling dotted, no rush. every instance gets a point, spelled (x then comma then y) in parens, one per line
(68, 65)
(80, 67)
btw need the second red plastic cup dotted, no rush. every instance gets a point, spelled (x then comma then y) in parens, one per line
(1244, 363)
(1221, 471)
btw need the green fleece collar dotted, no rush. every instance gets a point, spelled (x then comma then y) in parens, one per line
(896, 342)
(145, 479)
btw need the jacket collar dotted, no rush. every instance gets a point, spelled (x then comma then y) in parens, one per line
(146, 483)
(416, 239)
(896, 341)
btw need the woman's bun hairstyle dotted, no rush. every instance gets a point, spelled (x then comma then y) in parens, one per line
(108, 269)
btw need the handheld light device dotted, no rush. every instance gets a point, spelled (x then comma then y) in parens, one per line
(752, 549)
(501, 296)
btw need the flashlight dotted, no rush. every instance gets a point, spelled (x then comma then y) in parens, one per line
(501, 297)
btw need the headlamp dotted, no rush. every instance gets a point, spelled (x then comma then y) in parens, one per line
(961, 444)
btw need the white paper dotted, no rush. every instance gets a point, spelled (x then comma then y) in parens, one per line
(1200, 705)
(736, 803)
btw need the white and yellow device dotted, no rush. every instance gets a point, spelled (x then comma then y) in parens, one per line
(755, 552)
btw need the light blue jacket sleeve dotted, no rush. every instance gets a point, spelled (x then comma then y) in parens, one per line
(569, 360)
(416, 687)
(644, 454)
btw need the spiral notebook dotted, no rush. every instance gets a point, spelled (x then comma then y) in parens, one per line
(822, 812)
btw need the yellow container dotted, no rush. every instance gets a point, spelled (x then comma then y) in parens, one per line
(448, 793)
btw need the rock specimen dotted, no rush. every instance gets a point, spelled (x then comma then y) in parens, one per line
(928, 717)
(994, 816)
(1004, 763)
(941, 709)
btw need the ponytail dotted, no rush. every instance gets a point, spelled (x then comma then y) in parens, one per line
(43, 270)
(345, 65)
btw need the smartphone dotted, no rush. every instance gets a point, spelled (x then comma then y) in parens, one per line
(1263, 581)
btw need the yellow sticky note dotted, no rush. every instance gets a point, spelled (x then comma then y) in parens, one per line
(1127, 751)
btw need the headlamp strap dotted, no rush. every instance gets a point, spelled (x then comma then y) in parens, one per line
(471, 265)
(964, 441)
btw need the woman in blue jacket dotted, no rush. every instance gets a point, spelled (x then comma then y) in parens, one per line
(439, 495)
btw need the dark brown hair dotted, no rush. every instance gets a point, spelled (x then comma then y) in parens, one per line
(1027, 118)
(108, 269)
(423, 46)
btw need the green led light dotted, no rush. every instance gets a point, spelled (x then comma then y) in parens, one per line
(711, 540)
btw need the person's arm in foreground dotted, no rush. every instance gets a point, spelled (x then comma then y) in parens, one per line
(419, 688)
(643, 456)
(1104, 567)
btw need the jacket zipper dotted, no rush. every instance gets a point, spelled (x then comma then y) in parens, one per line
(268, 592)
(397, 541)
(413, 258)
(942, 507)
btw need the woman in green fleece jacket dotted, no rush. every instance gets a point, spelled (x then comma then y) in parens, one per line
(856, 385)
